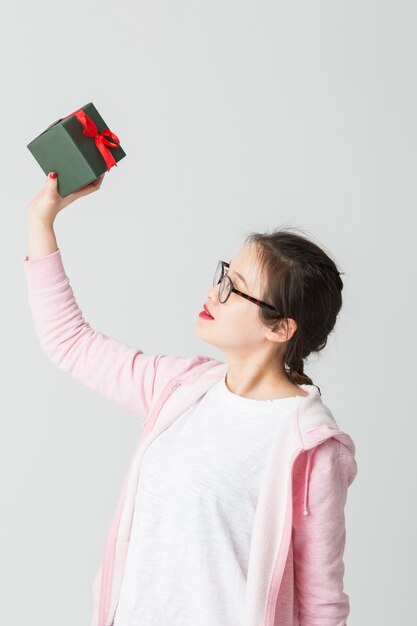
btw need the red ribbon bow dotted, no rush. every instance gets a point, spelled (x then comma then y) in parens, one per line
(101, 141)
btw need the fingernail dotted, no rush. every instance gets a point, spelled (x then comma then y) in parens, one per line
(52, 174)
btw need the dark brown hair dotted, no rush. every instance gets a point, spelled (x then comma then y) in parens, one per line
(303, 283)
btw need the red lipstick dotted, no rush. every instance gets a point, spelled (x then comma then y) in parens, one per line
(206, 315)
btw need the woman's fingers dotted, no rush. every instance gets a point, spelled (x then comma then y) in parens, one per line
(48, 203)
(84, 191)
(51, 185)
(91, 186)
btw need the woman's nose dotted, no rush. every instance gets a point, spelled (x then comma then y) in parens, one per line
(213, 292)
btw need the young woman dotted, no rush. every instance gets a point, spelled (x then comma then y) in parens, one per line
(232, 509)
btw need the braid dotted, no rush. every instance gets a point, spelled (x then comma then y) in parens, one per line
(297, 375)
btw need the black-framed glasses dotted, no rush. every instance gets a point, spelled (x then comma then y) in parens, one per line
(226, 287)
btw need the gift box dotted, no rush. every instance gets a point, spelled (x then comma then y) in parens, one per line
(78, 147)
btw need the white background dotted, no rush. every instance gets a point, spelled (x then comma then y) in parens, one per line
(235, 116)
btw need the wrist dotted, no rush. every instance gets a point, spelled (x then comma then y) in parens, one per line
(39, 220)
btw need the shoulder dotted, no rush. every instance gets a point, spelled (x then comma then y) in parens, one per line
(331, 459)
(186, 368)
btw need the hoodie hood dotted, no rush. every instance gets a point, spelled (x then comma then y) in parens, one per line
(314, 422)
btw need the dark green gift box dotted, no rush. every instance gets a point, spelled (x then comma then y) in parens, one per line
(78, 151)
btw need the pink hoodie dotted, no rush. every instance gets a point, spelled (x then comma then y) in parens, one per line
(295, 572)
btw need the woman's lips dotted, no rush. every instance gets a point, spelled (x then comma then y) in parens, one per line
(206, 314)
(207, 311)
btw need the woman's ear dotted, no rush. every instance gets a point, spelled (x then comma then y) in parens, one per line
(283, 330)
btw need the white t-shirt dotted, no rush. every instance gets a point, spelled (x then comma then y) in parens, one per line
(194, 511)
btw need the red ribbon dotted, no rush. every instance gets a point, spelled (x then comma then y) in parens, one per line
(101, 141)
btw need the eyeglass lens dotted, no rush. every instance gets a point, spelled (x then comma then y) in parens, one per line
(224, 287)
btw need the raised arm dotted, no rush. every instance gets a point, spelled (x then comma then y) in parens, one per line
(118, 372)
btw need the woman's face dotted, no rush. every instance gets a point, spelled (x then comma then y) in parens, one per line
(236, 328)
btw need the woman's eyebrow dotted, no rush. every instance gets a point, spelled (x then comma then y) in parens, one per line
(239, 276)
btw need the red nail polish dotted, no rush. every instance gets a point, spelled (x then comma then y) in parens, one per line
(52, 175)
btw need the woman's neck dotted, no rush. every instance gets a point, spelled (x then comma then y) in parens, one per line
(264, 389)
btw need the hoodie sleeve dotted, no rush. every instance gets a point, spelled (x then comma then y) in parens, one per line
(319, 538)
(120, 373)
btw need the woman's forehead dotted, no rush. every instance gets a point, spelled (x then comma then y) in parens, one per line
(246, 263)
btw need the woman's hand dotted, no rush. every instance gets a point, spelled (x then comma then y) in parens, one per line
(48, 203)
